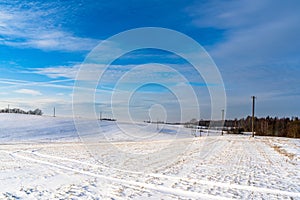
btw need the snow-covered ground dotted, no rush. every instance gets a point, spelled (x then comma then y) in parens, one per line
(45, 158)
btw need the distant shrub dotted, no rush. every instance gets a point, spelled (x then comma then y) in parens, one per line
(20, 111)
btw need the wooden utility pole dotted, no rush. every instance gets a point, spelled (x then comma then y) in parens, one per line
(8, 109)
(222, 120)
(54, 112)
(253, 108)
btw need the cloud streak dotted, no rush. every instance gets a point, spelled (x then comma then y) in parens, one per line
(29, 92)
(264, 30)
(58, 71)
(33, 26)
(259, 50)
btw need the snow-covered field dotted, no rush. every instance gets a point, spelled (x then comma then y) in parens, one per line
(44, 158)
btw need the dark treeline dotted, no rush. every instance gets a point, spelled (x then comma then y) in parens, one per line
(108, 119)
(20, 111)
(269, 126)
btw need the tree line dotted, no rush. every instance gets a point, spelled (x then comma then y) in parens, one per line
(268, 126)
(265, 126)
(20, 111)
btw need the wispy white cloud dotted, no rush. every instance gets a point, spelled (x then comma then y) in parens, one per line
(63, 105)
(14, 83)
(28, 91)
(256, 31)
(32, 26)
(58, 71)
(260, 38)
(259, 48)
(87, 71)
(138, 73)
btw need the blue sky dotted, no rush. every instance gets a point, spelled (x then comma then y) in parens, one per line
(255, 45)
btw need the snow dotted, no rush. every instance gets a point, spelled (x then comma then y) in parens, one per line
(44, 158)
(18, 128)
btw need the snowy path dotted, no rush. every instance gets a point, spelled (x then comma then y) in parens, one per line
(212, 168)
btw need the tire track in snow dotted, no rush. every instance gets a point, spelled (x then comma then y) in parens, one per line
(280, 167)
(157, 188)
(150, 175)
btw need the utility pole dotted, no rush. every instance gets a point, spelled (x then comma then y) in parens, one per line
(222, 120)
(253, 107)
(54, 112)
(8, 109)
(100, 115)
(157, 128)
